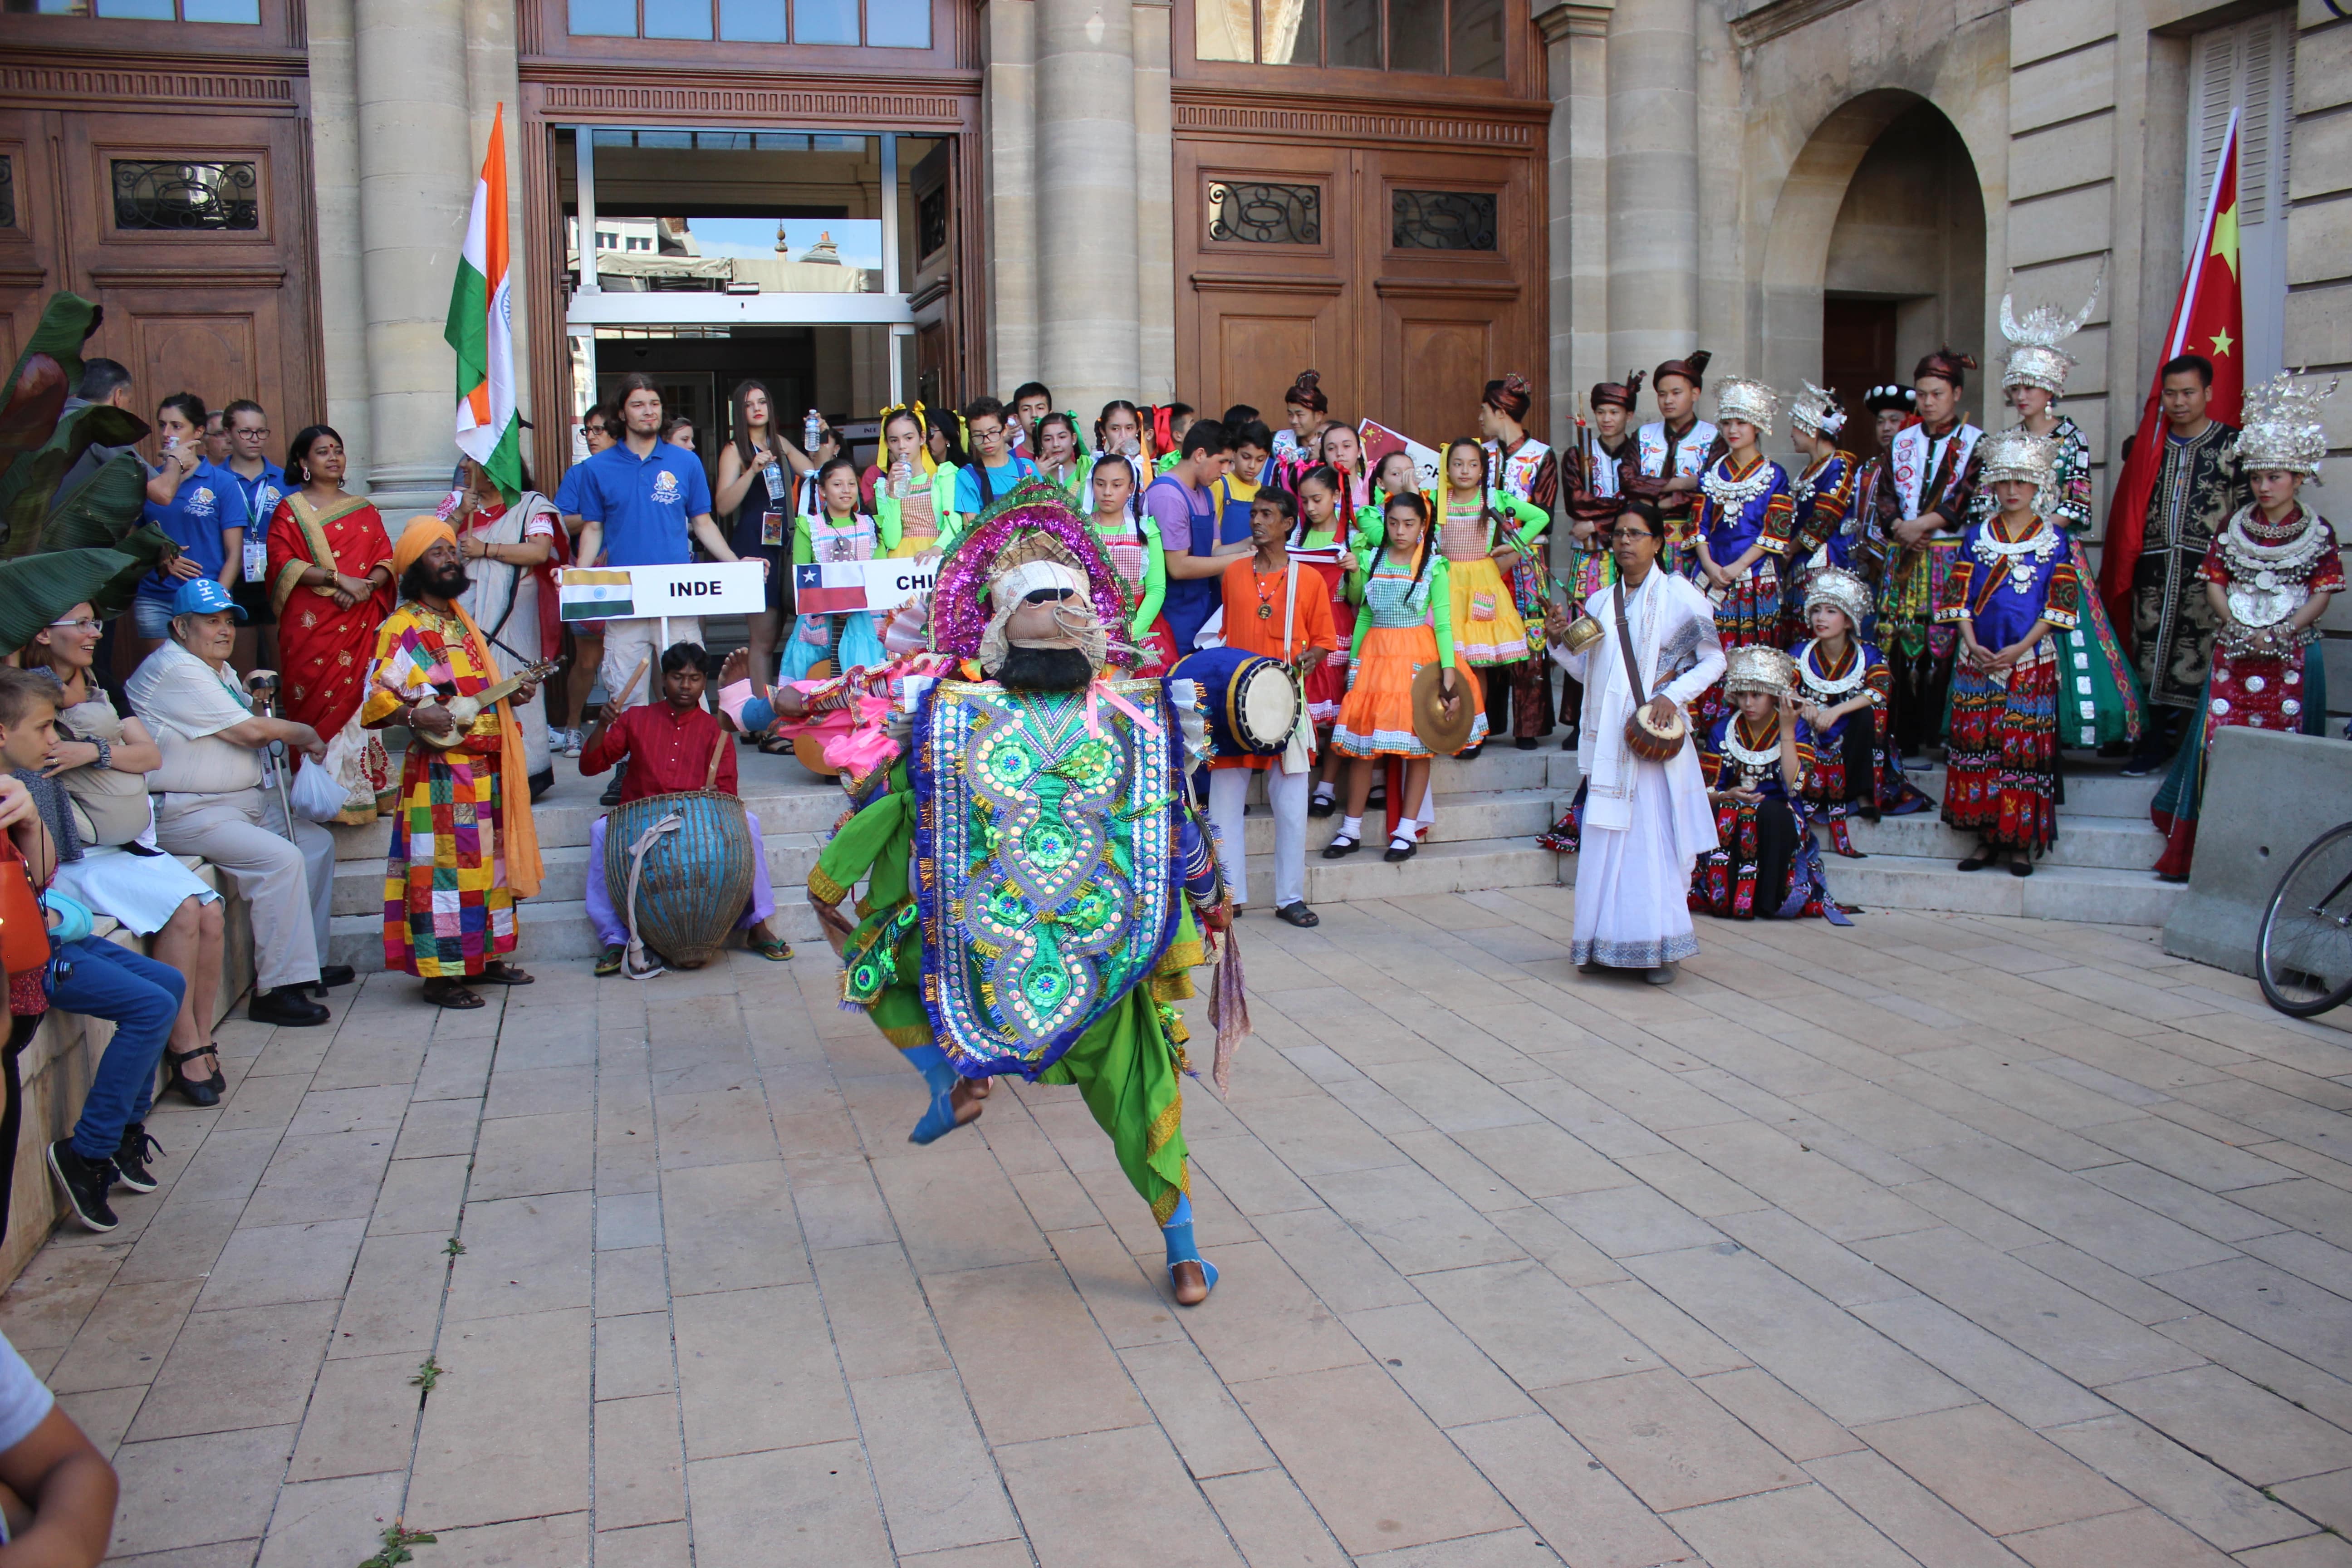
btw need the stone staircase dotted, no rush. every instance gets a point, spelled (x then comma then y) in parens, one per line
(1490, 811)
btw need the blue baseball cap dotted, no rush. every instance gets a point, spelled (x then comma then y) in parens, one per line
(204, 596)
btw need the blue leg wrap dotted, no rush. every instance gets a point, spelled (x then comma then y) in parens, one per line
(940, 1119)
(1181, 1249)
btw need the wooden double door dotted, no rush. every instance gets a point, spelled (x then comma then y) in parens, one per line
(192, 230)
(1408, 277)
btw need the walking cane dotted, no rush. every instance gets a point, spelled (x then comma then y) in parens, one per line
(262, 684)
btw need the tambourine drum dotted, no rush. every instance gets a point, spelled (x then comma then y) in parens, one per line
(695, 878)
(1252, 701)
(1654, 743)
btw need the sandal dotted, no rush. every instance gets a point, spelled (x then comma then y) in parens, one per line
(200, 1091)
(1299, 915)
(775, 949)
(776, 747)
(450, 994)
(499, 972)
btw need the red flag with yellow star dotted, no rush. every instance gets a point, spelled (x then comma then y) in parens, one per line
(2208, 318)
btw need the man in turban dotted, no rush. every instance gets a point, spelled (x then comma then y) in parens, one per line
(463, 844)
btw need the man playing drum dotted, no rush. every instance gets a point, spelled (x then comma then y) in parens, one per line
(464, 848)
(668, 746)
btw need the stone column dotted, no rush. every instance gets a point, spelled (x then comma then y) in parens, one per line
(1089, 347)
(1008, 121)
(1653, 188)
(335, 203)
(416, 167)
(1155, 207)
(492, 82)
(1576, 60)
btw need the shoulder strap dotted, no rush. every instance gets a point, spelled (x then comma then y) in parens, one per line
(1289, 608)
(1625, 646)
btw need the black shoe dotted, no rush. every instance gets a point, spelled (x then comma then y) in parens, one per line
(1340, 846)
(332, 975)
(612, 795)
(1399, 849)
(1470, 754)
(84, 1183)
(1317, 806)
(1525, 742)
(130, 1159)
(287, 1007)
(2140, 764)
(197, 1092)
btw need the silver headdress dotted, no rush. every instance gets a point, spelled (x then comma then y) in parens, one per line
(2282, 428)
(1758, 667)
(1737, 397)
(2018, 453)
(1836, 586)
(1815, 412)
(2034, 357)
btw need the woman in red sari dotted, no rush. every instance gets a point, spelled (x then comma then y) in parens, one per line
(331, 580)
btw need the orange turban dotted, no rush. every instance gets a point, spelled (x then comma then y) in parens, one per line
(423, 531)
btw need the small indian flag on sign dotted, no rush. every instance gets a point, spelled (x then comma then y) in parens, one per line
(589, 594)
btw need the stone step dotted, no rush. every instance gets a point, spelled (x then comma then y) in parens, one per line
(2102, 895)
(559, 929)
(1475, 813)
(1458, 866)
(563, 819)
(2111, 843)
(2091, 790)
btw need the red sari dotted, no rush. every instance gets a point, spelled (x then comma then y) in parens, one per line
(325, 648)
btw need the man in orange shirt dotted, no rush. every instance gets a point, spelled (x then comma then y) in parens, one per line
(1273, 608)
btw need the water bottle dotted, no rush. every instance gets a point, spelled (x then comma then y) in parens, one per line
(812, 431)
(902, 479)
(775, 477)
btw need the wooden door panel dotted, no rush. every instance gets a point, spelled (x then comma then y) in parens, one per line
(1441, 357)
(213, 352)
(1254, 344)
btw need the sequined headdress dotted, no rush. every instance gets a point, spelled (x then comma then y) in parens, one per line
(2283, 430)
(2018, 453)
(1737, 397)
(1028, 534)
(1756, 666)
(1837, 587)
(1816, 411)
(2034, 357)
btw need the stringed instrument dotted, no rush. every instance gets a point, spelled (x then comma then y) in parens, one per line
(464, 710)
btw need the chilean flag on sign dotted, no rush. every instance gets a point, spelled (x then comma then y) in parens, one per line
(2209, 318)
(826, 588)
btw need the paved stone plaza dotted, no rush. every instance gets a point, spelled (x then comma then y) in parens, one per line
(1943, 1239)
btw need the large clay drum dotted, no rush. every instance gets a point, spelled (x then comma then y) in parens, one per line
(695, 875)
(1252, 700)
(807, 750)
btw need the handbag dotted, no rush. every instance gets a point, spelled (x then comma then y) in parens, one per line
(1644, 736)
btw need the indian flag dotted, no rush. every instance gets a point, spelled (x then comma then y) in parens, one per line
(594, 593)
(482, 329)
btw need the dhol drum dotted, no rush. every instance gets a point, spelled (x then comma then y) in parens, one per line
(679, 868)
(1252, 700)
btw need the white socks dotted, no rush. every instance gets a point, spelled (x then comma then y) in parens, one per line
(1405, 829)
(1325, 791)
(1351, 828)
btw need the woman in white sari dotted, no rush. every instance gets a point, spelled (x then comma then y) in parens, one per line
(1645, 824)
(511, 553)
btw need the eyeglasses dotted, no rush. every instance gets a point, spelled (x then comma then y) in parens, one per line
(260, 434)
(1628, 535)
(87, 624)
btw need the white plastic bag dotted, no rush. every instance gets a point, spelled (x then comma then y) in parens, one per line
(315, 793)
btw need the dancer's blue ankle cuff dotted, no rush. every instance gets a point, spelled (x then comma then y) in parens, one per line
(923, 1058)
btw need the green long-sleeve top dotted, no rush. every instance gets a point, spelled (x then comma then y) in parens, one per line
(1532, 519)
(1351, 568)
(1392, 599)
(874, 847)
(887, 516)
(885, 536)
(1153, 581)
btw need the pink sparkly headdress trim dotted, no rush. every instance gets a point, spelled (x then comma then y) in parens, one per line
(959, 614)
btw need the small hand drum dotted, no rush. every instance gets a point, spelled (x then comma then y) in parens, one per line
(1252, 700)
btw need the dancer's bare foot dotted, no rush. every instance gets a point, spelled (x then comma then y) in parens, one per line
(982, 1086)
(1192, 1283)
(966, 1097)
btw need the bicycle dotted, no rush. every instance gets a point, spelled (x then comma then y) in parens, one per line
(2304, 954)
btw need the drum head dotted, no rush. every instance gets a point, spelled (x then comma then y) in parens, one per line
(1269, 708)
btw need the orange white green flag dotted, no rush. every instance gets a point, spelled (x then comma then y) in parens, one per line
(482, 329)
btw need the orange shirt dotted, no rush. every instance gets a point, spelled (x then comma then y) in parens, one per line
(1246, 590)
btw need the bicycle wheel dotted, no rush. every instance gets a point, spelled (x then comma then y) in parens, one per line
(2303, 957)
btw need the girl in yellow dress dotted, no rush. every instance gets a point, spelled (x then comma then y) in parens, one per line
(1475, 537)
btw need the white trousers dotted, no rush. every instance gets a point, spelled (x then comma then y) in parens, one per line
(1287, 792)
(626, 642)
(289, 885)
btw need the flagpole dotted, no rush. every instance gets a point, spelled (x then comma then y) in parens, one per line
(2185, 307)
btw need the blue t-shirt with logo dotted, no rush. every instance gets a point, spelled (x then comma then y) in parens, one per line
(970, 502)
(644, 503)
(208, 501)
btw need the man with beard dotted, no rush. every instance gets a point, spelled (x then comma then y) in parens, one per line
(464, 848)
(1034, 874)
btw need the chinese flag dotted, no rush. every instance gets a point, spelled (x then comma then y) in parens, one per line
(2208, 318)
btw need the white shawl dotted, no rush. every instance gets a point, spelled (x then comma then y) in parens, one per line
(1675, 642)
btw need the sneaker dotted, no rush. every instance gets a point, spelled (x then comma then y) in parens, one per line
(84, 1183)
(130, 1159)
(609, 961)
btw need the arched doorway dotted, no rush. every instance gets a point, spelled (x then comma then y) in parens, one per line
(1877, 252)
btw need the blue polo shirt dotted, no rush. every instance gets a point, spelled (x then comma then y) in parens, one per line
(969, 502)
(208, 501)
(644, 503)
(261, 494)
(567, 492)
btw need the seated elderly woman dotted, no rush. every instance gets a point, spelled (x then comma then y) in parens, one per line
(209, 801)
(107, 855)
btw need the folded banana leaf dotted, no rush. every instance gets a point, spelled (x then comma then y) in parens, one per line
(37, 589)
(98, 514)
(36, 394)
(66, 322)
(29, 489)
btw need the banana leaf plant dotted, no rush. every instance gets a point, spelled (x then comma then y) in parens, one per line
(37, 589)
(46, 372)
(42, 445)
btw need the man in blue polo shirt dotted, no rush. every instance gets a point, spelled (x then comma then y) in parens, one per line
(639, 499)
(200, 506)
(994, 470)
